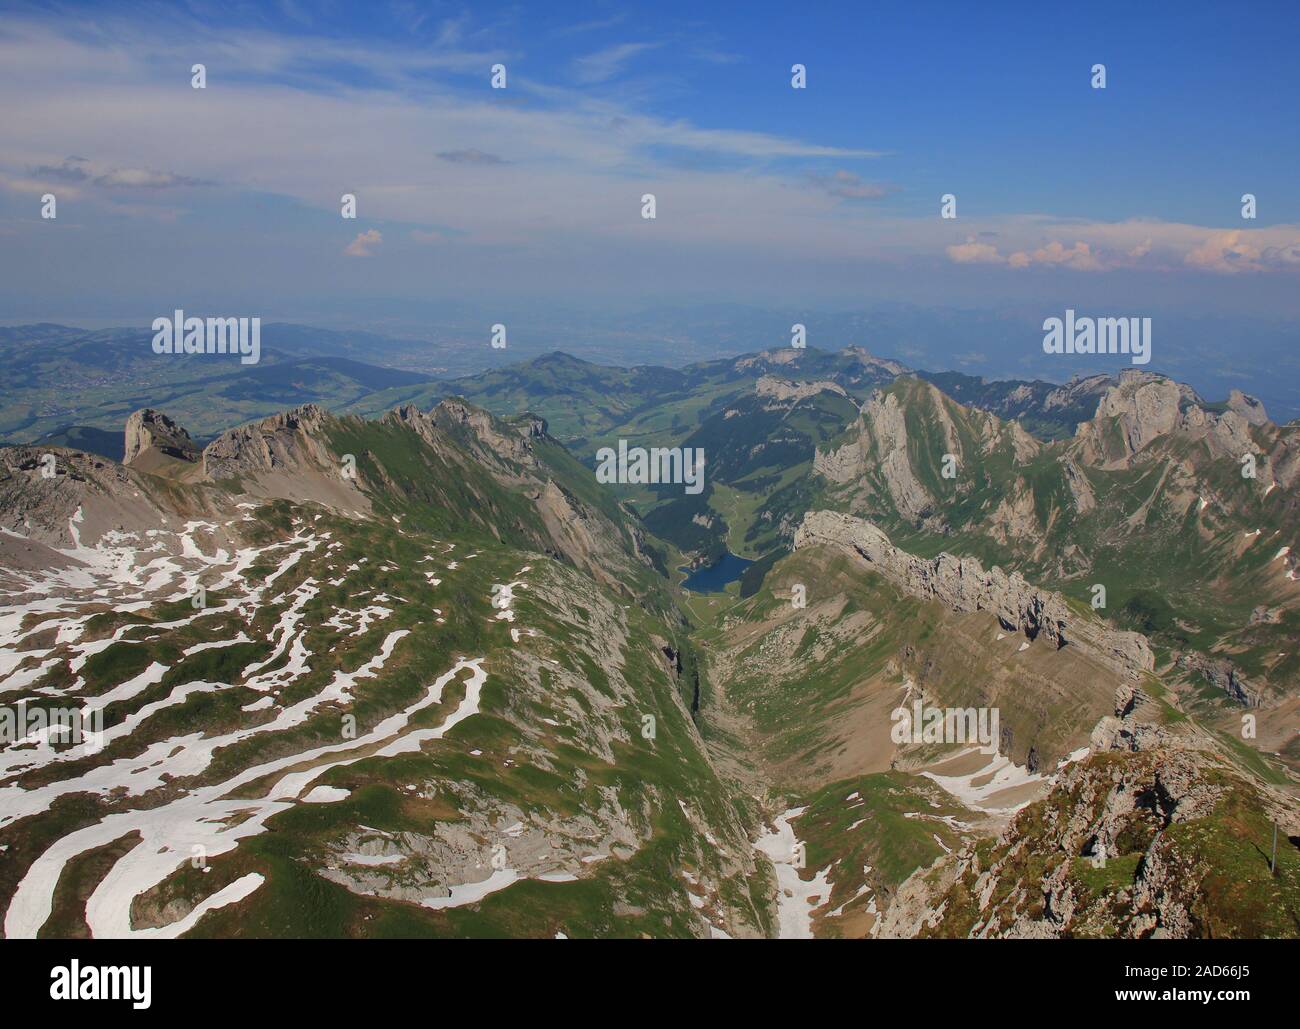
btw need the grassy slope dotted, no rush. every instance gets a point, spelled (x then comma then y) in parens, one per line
(644, 893)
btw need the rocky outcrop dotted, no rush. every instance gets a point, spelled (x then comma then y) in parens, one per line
(1045, 876)
(1248, 407)
(1144, 407)
(786, 391)
(883, 420)
(843, 465)
(1079, 390)
(1129, 731)
(454, 415)
(1223, 674)
(148, 429)
(963, 584)
(879, 365)
(1080, 488)
(1015, 518)
(1284, 457)
(282, 442)
(291, 456)
(66, 499)
(453, 422)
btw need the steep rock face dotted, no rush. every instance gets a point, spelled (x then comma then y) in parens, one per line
(1015, 517)
(504, 441)
(283, 442)
(1024, 446)
(1080, 488)
(1144, 407)
(1248, 407)
(1284, 456)
(148, 429)
(289, 456)
(883, 420)
(1077, 391)
(584, 537)
(507, 447)
(963, 584)
(1223, 674)
(843, 465)
(785, 390)
(904, 437)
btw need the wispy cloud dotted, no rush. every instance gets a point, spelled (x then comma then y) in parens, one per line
(847, 185)
(537, 184)
(70, 170)
(469, 157)
(594, 25)
(605, 64)
(142, 178)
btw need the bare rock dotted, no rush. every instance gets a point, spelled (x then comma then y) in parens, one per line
(963, 584)
(148, 429)
(786, 391)
(1248, 407)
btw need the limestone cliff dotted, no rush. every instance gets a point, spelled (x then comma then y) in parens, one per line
(963, 584)
(148, 430)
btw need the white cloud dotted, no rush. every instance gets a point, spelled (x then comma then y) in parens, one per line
(363, 244)
(1134, 244)
(1246, 250)
(141, 178)
(974, 252)
(1079, 257)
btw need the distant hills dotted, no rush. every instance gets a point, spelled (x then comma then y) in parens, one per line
(60, 377)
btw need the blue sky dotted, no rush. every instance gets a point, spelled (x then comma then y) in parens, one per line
(228, 197)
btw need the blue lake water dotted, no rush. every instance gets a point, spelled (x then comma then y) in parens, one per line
(715, 577)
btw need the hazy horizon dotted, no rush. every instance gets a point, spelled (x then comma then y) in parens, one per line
(523, 204)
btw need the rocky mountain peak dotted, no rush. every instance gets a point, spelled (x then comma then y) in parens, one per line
(533, 426)
(1146, 406)
(1248, 407)
(284, 441)
(510, 442)
(148, 429)
(865, 357)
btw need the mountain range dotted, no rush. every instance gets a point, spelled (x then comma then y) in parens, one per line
(392, 662)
